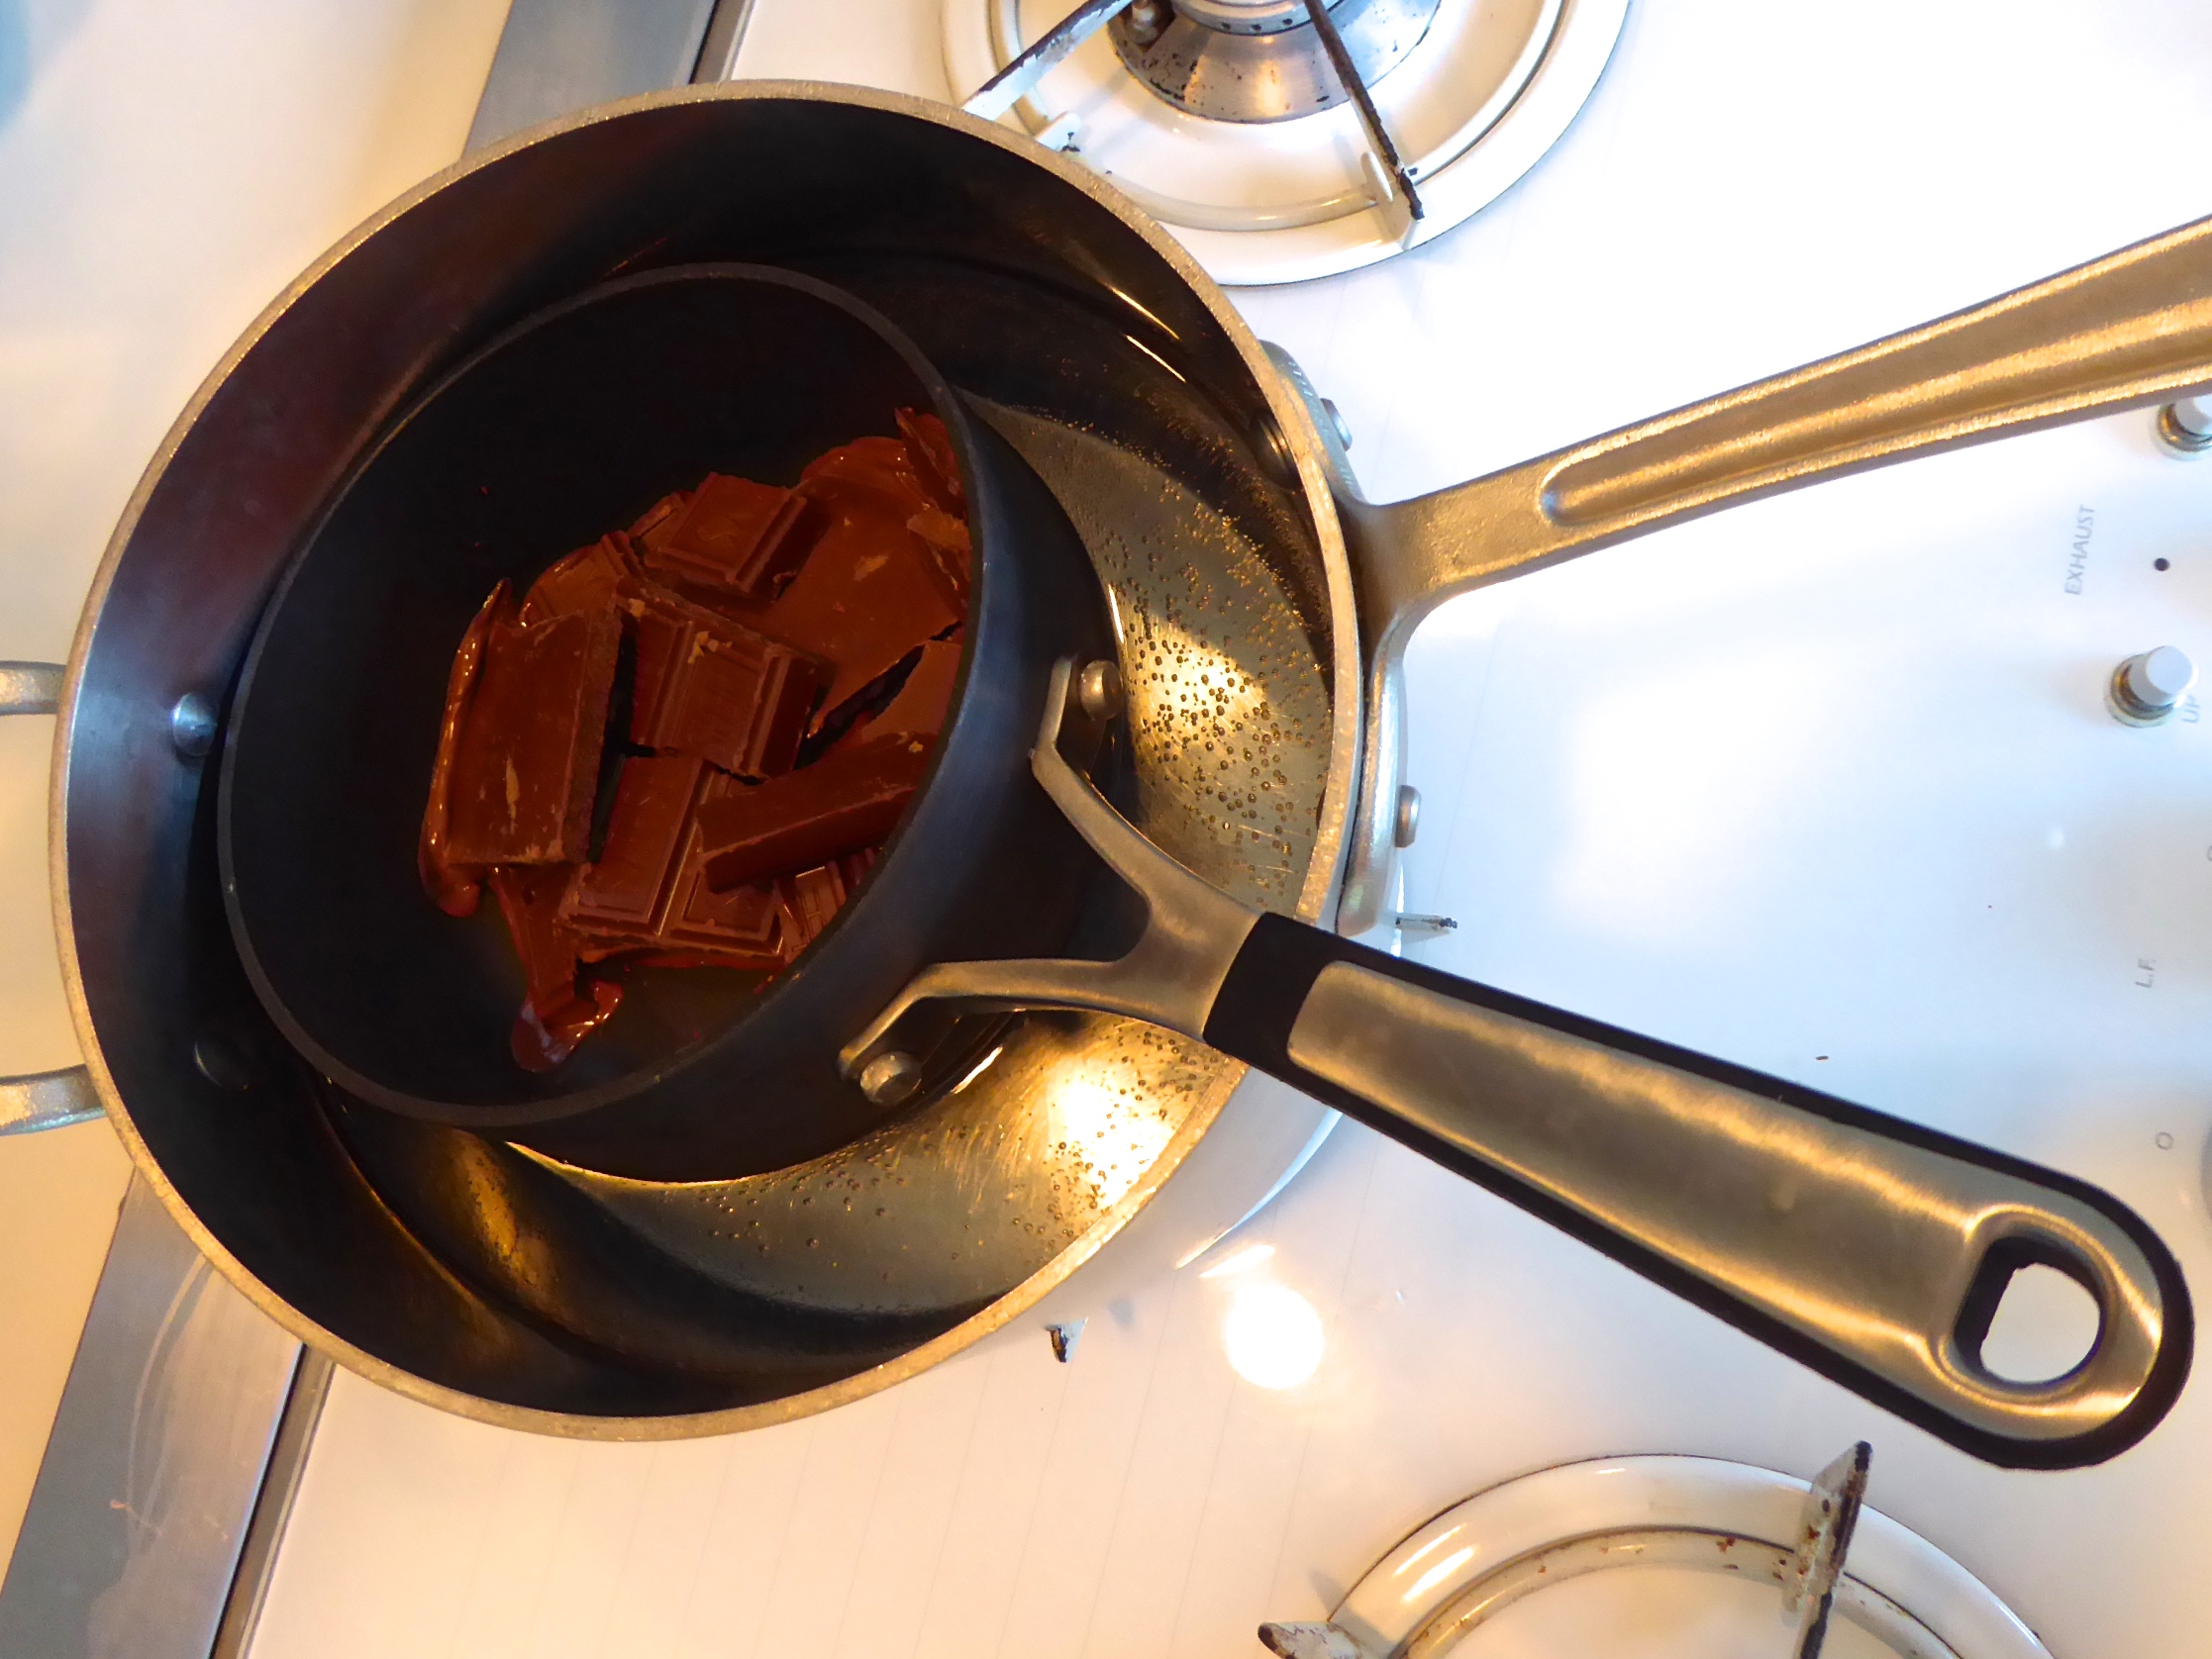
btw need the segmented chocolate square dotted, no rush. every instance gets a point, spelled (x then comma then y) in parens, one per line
(623, 894)
(585, 580)
(812, 898)
(713, 688)
(733, 535)
(850, 798)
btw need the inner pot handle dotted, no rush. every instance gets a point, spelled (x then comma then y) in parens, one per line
(46, 1100)
(1869, 1248)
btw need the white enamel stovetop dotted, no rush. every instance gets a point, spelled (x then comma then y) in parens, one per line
(1823, 785)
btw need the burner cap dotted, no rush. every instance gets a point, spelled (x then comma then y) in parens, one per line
(1654, 1556)
(1254, 60)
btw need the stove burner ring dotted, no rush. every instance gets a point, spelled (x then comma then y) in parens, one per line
(1258, 61)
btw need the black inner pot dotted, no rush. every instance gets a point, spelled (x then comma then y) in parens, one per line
(568, 426)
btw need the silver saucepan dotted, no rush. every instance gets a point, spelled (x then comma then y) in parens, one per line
(1871, 1249)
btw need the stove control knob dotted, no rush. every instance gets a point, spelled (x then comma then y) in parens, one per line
(2185, 425)
(2145, 687)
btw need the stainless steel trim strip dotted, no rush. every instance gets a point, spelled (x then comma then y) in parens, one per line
(152, 1472)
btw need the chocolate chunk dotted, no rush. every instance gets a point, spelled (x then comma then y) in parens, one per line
(733, 537)
(527, 759)
(871, 590)
(921, 705)
(850, 799)
(713, 688)
(454, 888)
(556, 1014)
(621, 896)
(584, 581)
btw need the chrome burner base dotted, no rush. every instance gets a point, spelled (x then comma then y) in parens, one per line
(1257, 61)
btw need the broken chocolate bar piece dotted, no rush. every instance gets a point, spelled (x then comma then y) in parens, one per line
(583, 581)
(454, 888)
(733, 537)
(556, 1014)
(653, 522)
(526, 762)
(812, 898)
(921, 705)
(740, 928)
(871, 590)
(929, 447)
(620, 896)
(645, 896)
(713, 688)
(949, 543)
(851, 798)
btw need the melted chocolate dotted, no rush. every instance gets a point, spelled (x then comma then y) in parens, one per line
(556, 1015)
(454, 888)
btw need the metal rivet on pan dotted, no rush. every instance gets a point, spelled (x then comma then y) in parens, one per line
(1337, 419)
(2185, 425)
(1099, 690)
(1405, 824)
(1064, 1338)
(890, 1077)
(221, 1064)
(192, 724)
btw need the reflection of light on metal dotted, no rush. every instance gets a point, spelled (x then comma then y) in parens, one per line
(1129, 300)
(1273, 1336)
(1154, 356)
(1251, 1255)
(979, 1068)
(1435, 1575)
(1418, 1556)
(1206, 682)
(1116, 1138)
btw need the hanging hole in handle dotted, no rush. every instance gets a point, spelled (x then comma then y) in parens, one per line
(2031, 1317)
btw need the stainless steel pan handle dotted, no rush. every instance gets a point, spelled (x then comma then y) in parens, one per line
(46, 1100)
(1871, 1249)
(2128, 330)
